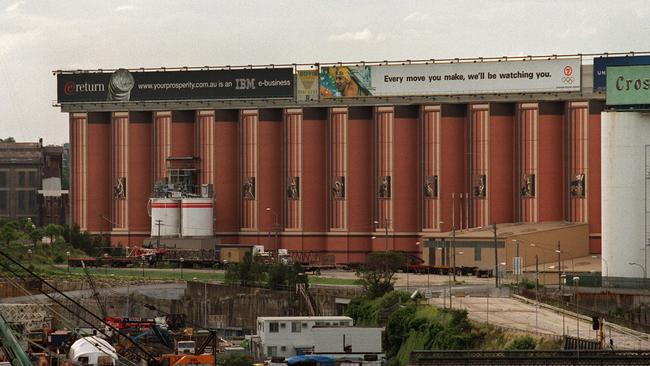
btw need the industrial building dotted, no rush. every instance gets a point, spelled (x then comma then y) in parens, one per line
(343, 159)
(30, 183)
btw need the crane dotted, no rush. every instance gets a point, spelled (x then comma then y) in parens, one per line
(10, 345)
(93, 287)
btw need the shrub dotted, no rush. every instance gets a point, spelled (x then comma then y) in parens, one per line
(524, 342)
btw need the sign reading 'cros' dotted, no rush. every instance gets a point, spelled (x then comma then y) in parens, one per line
(123, 85)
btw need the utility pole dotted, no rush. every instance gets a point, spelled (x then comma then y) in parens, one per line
(536, 291)
(158, 223)
(453, 235)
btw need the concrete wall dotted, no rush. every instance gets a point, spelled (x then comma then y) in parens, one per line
(240, 306)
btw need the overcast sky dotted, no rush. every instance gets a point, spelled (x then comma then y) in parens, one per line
(37, 37)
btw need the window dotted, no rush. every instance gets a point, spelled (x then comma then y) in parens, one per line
(282, 325)
(295, 327)
(3, 179)
(274, 327)
(477, 254)
(21, 179)
(32, 179)
(283, 348)
(32, 199)
(21, 200)
(272, 351)
(3, 200)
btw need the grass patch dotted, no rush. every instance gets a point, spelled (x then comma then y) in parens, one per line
(132, 273)
(320, 280)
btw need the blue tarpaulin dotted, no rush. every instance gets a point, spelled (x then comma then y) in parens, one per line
(321, 360)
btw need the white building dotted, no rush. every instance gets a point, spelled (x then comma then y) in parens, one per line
(327, 335)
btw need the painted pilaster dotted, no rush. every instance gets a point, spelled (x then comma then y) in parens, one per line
(249, 128)
(430, 183)
(527, 161)
(120, 170)
(79, 171)
(338, 168)
(162, 144)
(293, 155)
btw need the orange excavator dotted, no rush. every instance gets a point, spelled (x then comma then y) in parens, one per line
(199, 357)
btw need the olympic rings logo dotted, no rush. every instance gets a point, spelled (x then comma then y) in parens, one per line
(568, 79)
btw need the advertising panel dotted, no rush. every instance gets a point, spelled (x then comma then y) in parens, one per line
(601, 63)
(307, 85)
(453, 78)
(123, 85)
(628, 85)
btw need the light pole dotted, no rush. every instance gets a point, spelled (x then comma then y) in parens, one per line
(559, 267)
(276, 229)
(645, 276)
(496, 258)
(385, 232)
(67, 256)
(576, 282)
(606, 269)
(29, 251)
(181, 262)
(106, 263)
(142, 258)
(562, 297)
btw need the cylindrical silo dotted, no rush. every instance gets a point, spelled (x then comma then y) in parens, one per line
(625, 195)
(196, 217)
(166, 212)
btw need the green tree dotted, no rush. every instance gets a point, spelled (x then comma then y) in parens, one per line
(52, 231)
(377, 275)
(9, 233)
(277, 276)
(36, 235)
(234, 359)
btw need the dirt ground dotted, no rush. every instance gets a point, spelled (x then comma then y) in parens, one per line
(515, 314)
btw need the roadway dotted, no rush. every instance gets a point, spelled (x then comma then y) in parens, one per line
(522, 315)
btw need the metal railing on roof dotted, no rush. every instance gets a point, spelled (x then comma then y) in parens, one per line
(297, 66)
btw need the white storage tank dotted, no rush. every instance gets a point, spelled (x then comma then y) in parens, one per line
(625, 194)
(197, 217)
(168, 212)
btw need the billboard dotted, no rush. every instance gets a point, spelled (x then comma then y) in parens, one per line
(123, 85)
(628, 85)
(306, 85)
(601, 63)
(453, 78)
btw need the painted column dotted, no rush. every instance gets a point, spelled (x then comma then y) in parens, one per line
(249, 124)
(205, 145)
(338, 167)
(527, 161)
(120, 170)
(577, 159)
(293, 153)
(162, 144)
(479, 146)
(79, 168)
(430, 149)
(384, 127)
